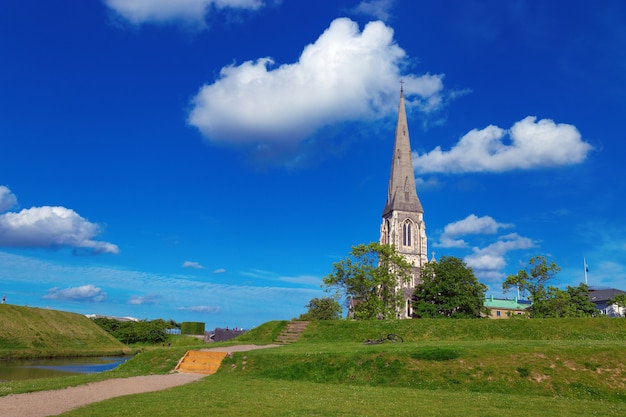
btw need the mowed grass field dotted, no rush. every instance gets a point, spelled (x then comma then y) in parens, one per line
(444, 367)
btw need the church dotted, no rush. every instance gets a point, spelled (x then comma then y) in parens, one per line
(403, 216)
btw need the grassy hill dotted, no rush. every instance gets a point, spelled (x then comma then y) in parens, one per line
(474, 368)
(575, 358)
(35, 332)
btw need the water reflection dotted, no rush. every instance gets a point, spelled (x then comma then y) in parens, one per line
(48, 368)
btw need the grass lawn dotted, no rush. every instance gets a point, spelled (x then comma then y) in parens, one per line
(231, 395)
(444, 368)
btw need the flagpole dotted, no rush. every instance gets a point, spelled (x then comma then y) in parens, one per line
(586, 269)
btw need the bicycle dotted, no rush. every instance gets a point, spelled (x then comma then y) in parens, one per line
(391, 337)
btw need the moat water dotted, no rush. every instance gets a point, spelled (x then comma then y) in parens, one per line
(49, 368)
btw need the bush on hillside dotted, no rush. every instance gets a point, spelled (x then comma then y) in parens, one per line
(143, 331)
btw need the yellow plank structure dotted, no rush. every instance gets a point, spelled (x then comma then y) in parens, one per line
(200, 362)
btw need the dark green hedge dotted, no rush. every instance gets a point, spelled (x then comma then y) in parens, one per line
(192, 327)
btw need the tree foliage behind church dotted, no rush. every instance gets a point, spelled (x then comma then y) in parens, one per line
(549, 301)
(448, 288)
(368, 279)
(554, 302)
(532, 280)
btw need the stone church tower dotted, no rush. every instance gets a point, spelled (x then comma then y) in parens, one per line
(403, 217)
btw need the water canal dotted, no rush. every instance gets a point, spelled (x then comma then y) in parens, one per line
(48, 368)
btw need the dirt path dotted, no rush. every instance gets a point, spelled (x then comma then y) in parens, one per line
(52, 403)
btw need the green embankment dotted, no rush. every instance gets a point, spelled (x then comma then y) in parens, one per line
(474, 368)
(574, 358)
(35, 332)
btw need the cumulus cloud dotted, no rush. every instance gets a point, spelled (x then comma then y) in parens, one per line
(194, 265)
(345, 75)
(528, 144)
(7, 199)
(190, 12)
(202, 309)
(487, 262)
(51, 227)
(89, 293)
(471, 225)
(47, 227)
(380, 9)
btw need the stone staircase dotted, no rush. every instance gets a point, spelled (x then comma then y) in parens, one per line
(291, 333)
(200, 362)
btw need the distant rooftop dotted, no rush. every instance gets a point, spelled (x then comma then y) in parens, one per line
(599, 295)
(506, 303)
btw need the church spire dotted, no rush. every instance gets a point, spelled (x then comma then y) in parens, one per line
(403, 217)
(401, 194)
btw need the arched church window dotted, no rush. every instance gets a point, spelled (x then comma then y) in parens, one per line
(406, 233)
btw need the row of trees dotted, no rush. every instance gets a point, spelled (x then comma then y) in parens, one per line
(549, 301)
(369, 277)
(143, 331)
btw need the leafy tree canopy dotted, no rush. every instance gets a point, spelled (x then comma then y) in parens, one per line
(548, 301)
(619, 300)
(142, 331)
(369, 278)
(326, 308)
(449, 288)
(531, 281)
(573, 302)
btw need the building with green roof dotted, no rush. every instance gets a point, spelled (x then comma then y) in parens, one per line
(502, 308)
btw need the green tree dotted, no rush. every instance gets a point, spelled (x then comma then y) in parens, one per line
(573, 302)
(619, 300)
(325, 308)
(142, 331)
(449, 288)
(368, 279)
(581, 305)
(532, 280)
(548, 301)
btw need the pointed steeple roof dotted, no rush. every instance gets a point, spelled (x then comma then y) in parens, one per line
(402, 194)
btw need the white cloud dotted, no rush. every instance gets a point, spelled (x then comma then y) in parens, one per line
(346, 75)
(219, 271)
(430, 183)
(532, 144)
(194, 265)
(82, 293)
(302, 280)
(380, 9)
(142, 300)
(471, 225)
(190, 12)
(488, 261)
(311, 280)
(202, 309)
(7, 199)
(51, 227)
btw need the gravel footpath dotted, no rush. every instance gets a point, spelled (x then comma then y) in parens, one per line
(52, 403)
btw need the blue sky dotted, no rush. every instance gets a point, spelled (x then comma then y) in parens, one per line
(209, 160)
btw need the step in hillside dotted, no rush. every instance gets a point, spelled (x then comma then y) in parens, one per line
(200, 362)
(292, 332)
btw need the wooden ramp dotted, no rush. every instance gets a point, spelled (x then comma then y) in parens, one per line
(200, 362)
